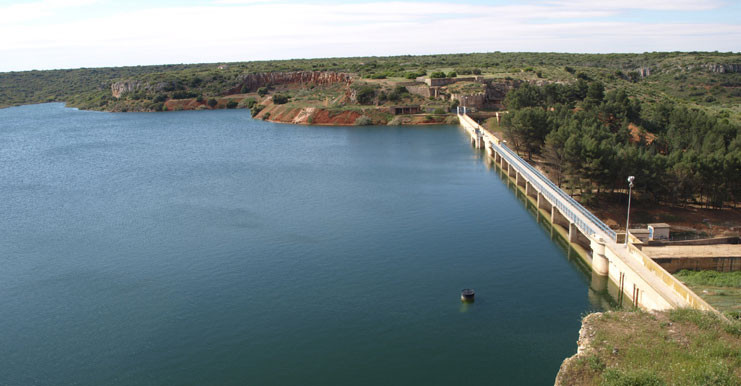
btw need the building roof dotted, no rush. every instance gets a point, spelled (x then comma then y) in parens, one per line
(660, 225)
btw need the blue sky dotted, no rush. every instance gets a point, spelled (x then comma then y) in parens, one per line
(45, 34)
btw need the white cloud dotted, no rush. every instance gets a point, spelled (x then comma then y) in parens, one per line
(658, 5)
(19, 13)
(278, 30)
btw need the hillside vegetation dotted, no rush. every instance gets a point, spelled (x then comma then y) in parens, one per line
(711, 81)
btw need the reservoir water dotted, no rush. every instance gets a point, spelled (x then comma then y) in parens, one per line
(192, 248)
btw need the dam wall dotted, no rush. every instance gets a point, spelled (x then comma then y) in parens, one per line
(636, 277)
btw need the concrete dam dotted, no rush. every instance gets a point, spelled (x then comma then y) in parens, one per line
(635, 275)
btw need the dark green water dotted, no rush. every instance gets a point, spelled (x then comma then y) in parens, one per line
(195, 248)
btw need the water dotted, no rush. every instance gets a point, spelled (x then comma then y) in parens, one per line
(193, 248)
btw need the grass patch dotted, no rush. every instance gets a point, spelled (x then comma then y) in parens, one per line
(711, 278)
(678, 347)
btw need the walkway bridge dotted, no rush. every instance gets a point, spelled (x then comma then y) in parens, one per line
(634, 274)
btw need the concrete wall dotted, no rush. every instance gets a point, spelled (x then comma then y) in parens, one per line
(720, 264)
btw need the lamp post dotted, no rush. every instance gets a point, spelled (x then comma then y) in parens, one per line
(627, 221)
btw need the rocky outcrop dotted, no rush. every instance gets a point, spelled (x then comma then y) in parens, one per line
(120, 88)
(251, 82)
(586, 333)
(132, 85)
(724, 68)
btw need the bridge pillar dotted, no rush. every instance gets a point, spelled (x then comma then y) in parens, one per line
(543, 202)
(511, 171)
(530, 190)
(573, 233)
(600, 264)
(558, 218)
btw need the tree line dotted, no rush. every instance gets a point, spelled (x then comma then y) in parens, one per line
(592, 139)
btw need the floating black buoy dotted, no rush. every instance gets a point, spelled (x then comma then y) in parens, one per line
(467, 295)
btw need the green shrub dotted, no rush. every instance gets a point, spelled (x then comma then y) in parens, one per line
(439, 111)
(231, 104)
(262, 91)
(212, 102)
(248, 102)
(437, 74)
(266, 116)
(280, 99)
(255, 109)
(452, 74)
(366, 94)
(363, 120)
(183, 95)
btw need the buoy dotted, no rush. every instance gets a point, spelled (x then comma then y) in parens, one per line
(467, 295)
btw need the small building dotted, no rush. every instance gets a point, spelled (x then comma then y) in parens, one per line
(640, 234)
(403, 110)
(659, 231)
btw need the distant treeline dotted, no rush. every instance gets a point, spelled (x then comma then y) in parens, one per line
(689, 76)
(593, 140)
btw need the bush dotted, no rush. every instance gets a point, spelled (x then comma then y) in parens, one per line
(366, 94)
(363, 120)
(255, 109)
(439, 111)
(569, 69)
(199, 99)
(266, 116)
(398, 93)
(183, 95)
(248, 102)
(452, 74)
(437, 74)
(212, 102)
(262, 91)
(231, 104)
(280, 99)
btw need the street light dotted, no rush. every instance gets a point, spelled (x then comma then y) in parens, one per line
(627, 221)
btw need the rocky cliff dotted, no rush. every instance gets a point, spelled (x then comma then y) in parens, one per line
(132, 85)
(584, 348)
(254, 81)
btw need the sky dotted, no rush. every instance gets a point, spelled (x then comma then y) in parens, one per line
(49, 34)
